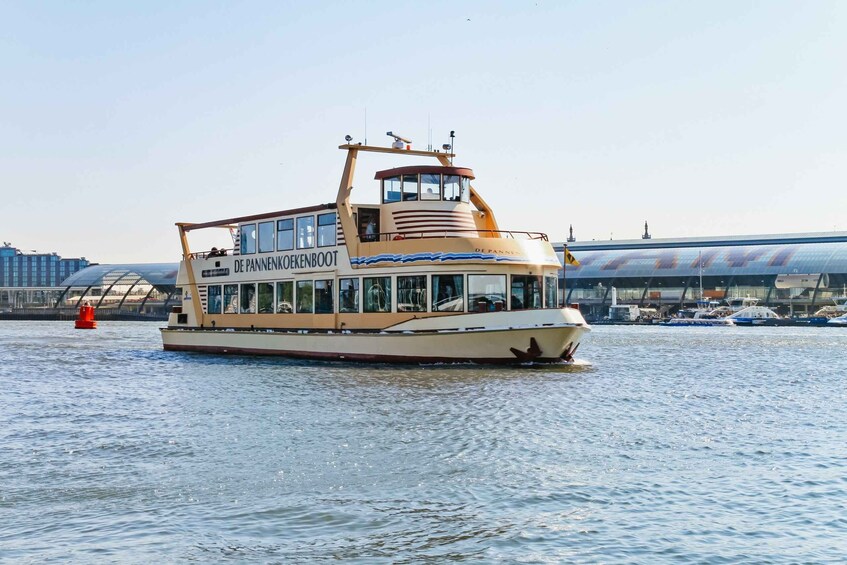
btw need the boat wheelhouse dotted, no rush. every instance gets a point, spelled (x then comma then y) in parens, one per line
(426, 275)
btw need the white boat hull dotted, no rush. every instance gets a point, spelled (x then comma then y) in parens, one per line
(544, 344)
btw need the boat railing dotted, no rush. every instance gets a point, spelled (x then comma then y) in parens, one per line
(219, 252)
(452, 233)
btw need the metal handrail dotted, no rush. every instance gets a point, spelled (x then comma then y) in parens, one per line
(449, 233)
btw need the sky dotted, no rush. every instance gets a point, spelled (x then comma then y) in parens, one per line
(119, 119)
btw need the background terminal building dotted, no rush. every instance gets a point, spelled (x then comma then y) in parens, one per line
(791, 273)
(33, 278)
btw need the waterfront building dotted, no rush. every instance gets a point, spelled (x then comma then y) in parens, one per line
(793, 273)
(33, 278)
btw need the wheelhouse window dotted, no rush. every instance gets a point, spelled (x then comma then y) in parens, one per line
(248, 239)
(448, 293)
(266, 237)
(305, 298)
(411, 294)
(323, 297)
(391, 189)
(348, 295)
(285, 235)
(452, 188)
(266, 298)
(551, 292)
(526, 292)
(326, 229)
(285, 297)
(305, 232)
(213, 299)
(466, 189)
(410, 187)
(430, 186)
(230, 299)
(377, 294)
(487, 293)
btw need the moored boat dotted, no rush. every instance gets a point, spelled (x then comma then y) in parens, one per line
(427, 275)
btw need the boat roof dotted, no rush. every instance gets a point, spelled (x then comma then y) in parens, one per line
(433, 169)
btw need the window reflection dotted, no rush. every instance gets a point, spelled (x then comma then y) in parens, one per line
(430, 186)
(452, 187)
(305, 232)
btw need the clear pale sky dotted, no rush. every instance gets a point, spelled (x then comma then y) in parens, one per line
(709, 118)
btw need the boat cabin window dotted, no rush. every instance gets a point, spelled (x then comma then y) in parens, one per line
(348, 295)
(323, 297)
(448, 293)
(266, 237)
(248, 298)
(410, 187)
(368, 224)
(391, 189)
(551, 292)
(326, 229)
(285, 297)
(452, 187)
(377, 294)
(526, 292)
(411, 294)
(248, 239)
(305, 298)
(486, 293)
(266, 298)
(430, 186)
(230, 299)
(213, 299)
(466, 189)
(305, 232)
(285, 235)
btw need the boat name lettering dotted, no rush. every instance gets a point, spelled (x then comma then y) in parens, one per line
(222, 272)
(497, 251)
(287, 262)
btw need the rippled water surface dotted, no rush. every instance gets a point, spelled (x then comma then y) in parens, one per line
(715, 445)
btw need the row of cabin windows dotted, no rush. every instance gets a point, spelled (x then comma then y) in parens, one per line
(416, 293)
(425, 186)
(288, 234)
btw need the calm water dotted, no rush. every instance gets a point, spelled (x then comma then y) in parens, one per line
(706, 445)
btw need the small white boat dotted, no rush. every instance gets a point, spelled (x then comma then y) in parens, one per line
(839, 321)
(756, 316)
(704, 315)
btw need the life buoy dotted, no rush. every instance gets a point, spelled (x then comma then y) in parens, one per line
(399, 236)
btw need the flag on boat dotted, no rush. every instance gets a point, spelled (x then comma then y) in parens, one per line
(570, 259)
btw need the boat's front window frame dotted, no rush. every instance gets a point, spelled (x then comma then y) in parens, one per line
(348, 296)
(452, 187)
(324, 296)
(526, 292)
(305, 296)
(486, 293)
(285, 297)
(430, 186)
(466, 190)
(412, 293)
(305, 232)
(411, 187)
(448, 292)
(551, 291)
(265, 300)
(327, 229)
(266, 237)
(214, 299)
(247, 300)
(377, 293)
(230, 301)
(392, 190)
(247, 235)
(285, 234)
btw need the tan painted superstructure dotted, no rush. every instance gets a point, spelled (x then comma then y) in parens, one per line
(418, 237)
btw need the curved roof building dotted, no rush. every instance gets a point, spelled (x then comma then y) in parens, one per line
(793, 272)
(141, 288)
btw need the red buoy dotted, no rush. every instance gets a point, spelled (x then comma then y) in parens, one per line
(85, 319)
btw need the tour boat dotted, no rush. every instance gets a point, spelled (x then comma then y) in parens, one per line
(426, 276)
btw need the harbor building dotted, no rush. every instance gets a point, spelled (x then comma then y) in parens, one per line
(33, 279)
(795, 274)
